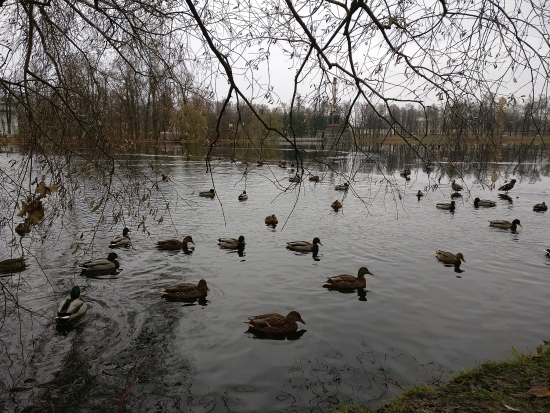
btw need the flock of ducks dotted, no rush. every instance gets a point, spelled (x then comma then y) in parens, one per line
(456, 259)
(74, 307)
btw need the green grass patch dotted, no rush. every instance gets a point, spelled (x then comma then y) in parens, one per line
(520, 384)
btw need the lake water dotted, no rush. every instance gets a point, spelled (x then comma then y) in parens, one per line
(417, 321)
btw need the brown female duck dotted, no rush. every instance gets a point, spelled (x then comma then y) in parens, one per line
(449, 257)
(174, 244)
(271, 220)
(348, 281)
(186, 290)
(275, 323)
(12, 265)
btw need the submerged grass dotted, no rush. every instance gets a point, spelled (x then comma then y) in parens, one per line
(518, 385)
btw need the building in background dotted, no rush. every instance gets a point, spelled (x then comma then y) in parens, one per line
(8, 118)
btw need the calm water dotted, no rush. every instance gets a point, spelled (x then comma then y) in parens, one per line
(417, 321)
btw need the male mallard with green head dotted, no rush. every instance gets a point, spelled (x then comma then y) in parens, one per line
(484, 203)
(446, 205)
(186, 290)
(207, 194)
(101, 265)
(275, 323)
(13, 265)
(348, 281)
(304, 246)
(506, 224)
(174, 244)
(71, 308)
(121, 240)
(232, 243)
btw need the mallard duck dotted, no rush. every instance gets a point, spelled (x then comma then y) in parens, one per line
(505, 224)
(336, 205)
(243, 196)
(232, 243)
(282, 163)
(314, 178)
(347, 281)
(484, 203)
(445, 205)
(174, 244)
(449, 257)
(540, 207)
(186, 290)
(271, 220)
(275, 323)
(405, 172)
(295, 178)
(71, 308)
(208, 194)
(547, 251)
(342, 187)
(419, 194)
(304, 246)
(260, 162)
(121, 240)
(101, 265)
(508, 186)
(13, 265)
(456, 187)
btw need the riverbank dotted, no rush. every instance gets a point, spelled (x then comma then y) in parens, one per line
(518, 385)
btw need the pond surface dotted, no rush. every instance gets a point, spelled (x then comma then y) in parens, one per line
(417, 321)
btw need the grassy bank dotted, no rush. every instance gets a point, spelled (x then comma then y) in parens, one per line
(518, 385)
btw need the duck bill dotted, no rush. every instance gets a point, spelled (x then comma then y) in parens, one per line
(463, 259)
(520, 225)
(301, 321)
(321, 244)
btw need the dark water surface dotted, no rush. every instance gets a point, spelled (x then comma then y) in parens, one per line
(417, 320)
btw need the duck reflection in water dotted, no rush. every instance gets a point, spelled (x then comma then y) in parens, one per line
(361, 292)
(258, 335)
(505, 197)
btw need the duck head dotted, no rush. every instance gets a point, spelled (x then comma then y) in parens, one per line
(295, 316)
(112, 256)
(75, 292)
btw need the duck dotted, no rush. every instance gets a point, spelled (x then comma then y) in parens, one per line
(540, 207)
(445, 205)
(456, 187)
(71, 308)
(271, 220)
(101, 265)
(295, 178)
(505, 224)
(484, 203)
(304, 246)
(449, 257)
(275, 323)
(314, 178)
(232, 243)
(207, 194)
(121, 240)
(347, 281)
(419, 194)
(13, 265)
(174, 244)
(342, 187)
(243, 196)
(508, 186)
(405, 172)
(282, 163)
(186, 290)
(547, 251)
(336, 205)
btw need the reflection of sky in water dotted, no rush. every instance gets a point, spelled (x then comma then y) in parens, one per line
(413, 322)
